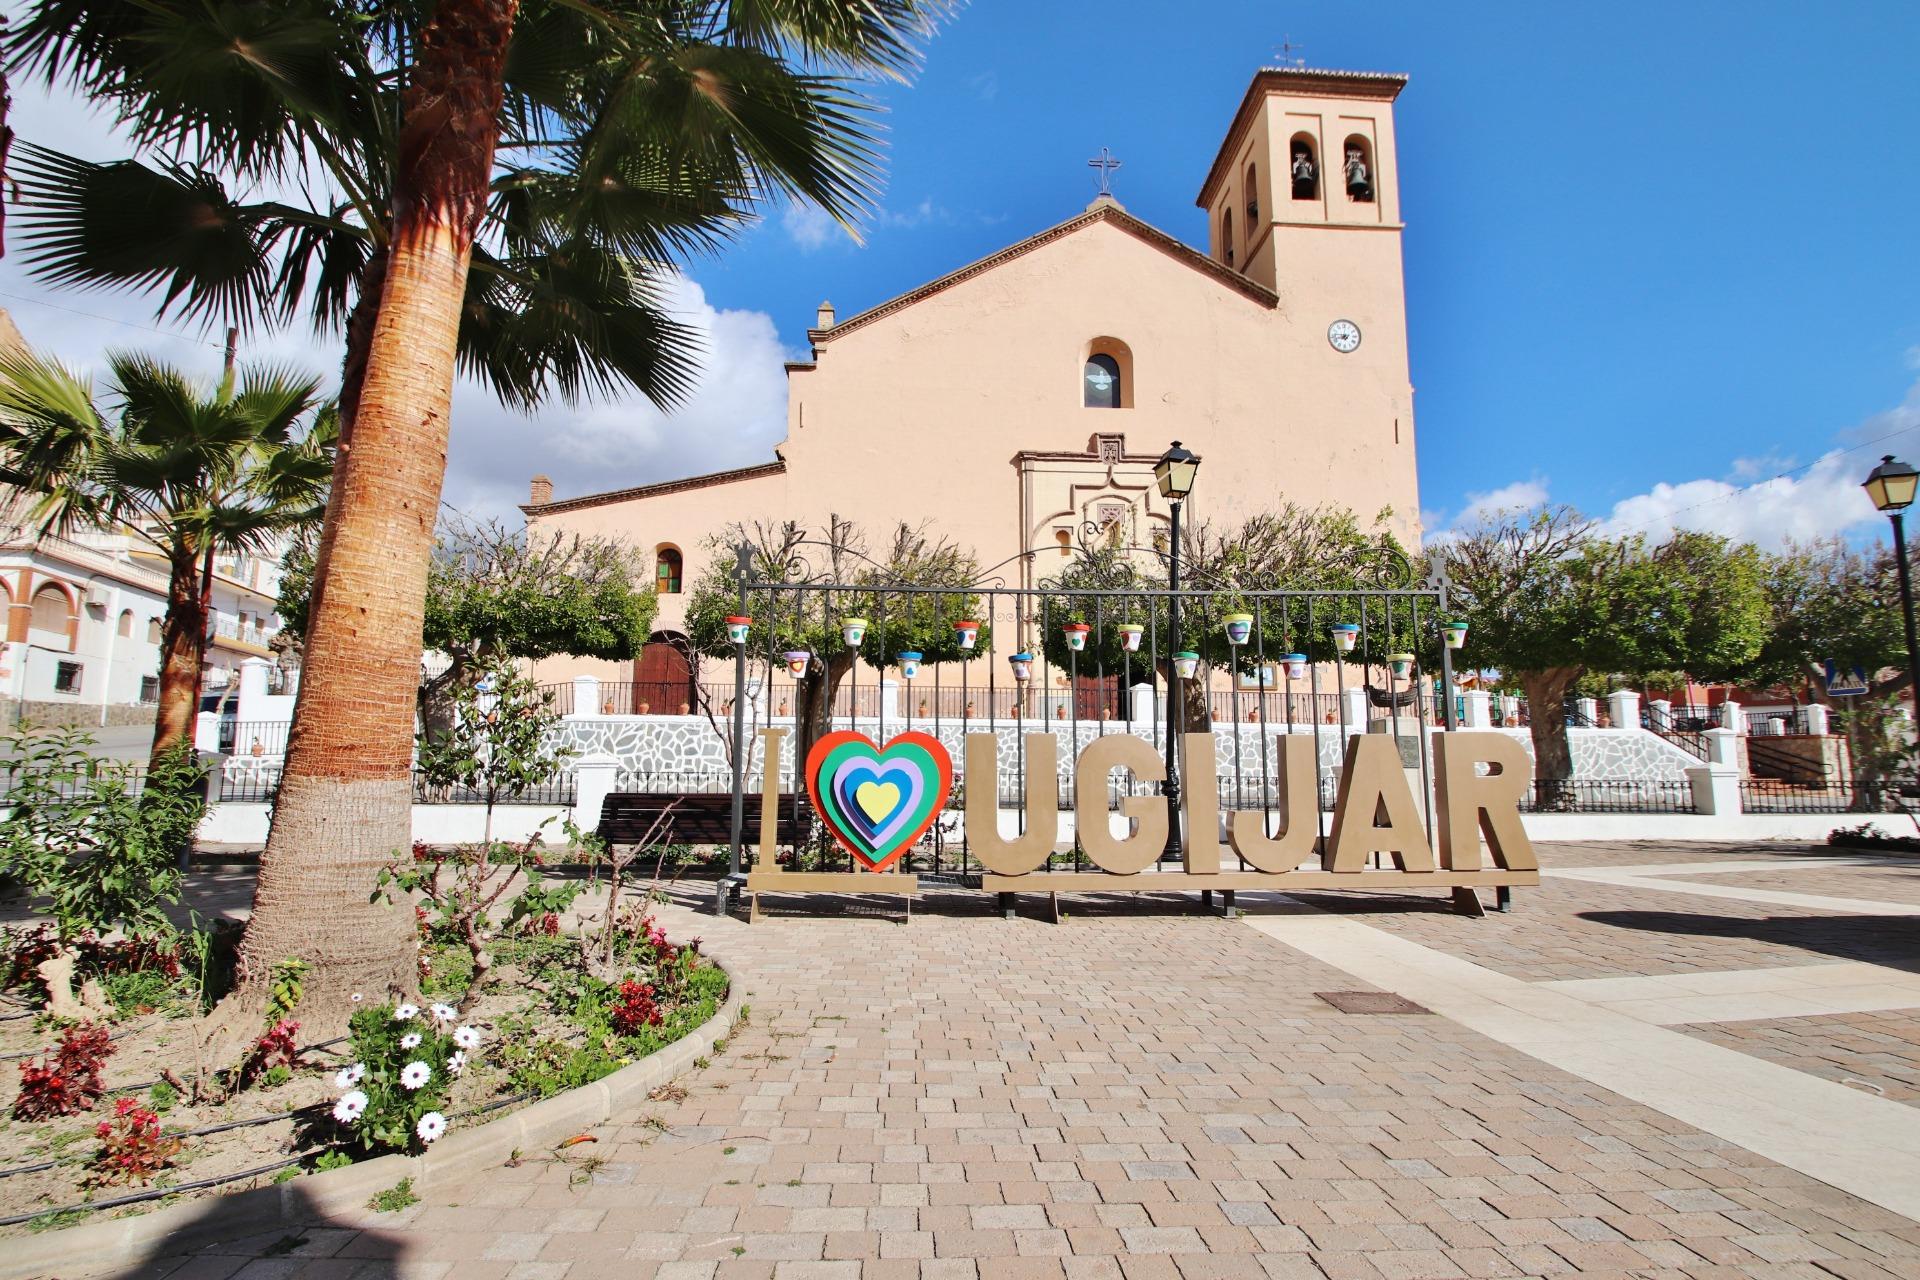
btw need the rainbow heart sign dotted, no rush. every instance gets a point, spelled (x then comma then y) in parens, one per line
(878, 800)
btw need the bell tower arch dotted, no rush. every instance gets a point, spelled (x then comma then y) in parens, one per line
(1309, 150)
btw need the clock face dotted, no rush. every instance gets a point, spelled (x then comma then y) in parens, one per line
(1344, 335)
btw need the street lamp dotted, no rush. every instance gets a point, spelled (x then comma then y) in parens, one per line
(1891, 486)
(1174, 472)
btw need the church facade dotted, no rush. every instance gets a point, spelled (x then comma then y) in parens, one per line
(1020, 401)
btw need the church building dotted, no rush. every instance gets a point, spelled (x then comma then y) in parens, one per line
(1021, 400)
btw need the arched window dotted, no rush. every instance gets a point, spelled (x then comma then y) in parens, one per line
(50, 609)
(153, 631)
(1226, 236)
(1305, 168)
(1253, 197)
(1359, 169)
(1101, 384)
(126, 624)
(666, 571)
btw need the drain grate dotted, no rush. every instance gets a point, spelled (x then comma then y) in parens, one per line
(1370, 1002)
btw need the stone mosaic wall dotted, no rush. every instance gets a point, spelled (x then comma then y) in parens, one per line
(670, 745)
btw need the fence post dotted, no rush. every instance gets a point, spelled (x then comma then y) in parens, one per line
(1816, 720)
(1723, 747)
(206, 731)
(1716, 788)
(1623, 705)
(595, 775)
(1358, 713)
(1140, 705)
(1660, 713)
(1731, 718)
(1479, 705)
(1588, 709)
(586, 696)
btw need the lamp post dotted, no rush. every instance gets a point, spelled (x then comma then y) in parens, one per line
(1174, 472)
(737, 628)
(1891, 486)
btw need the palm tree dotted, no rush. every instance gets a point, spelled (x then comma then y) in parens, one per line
(195, 471)
(627, 133)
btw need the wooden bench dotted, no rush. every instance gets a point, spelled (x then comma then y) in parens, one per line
(626, 817)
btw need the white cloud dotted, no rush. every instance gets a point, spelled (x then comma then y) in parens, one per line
(985, 86)
(1791, 504)
(735, 416)
(1822, 500)
(809, 226)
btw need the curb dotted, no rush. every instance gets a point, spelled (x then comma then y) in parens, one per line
(120, 1243)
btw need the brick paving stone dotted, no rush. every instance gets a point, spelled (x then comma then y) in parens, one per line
(1877, 1052)
(1147, 1093)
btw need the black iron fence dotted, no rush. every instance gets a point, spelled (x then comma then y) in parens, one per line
(1836, 795)
(1609, 795)
(260, 785)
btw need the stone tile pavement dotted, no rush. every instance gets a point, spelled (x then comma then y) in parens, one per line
(1143, 1093)
(1878, 1051)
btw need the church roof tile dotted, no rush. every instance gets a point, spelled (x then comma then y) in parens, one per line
(754, 472)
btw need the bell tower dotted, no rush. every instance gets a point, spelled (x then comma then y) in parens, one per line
(1309, 151)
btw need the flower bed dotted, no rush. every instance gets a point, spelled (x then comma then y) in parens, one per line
(136, 1103)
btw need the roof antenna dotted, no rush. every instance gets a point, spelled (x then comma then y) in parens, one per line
(1287, 53)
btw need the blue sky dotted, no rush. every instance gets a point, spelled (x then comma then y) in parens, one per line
(1644, 243)
(1654, 253)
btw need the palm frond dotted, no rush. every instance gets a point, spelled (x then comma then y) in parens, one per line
(128, 225)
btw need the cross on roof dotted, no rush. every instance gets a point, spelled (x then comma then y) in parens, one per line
(1287, 51)
(1106, 164)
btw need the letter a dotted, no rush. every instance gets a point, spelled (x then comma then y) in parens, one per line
(1372, 783)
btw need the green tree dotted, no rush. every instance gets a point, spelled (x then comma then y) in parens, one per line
(623, 123)
(1292, 548)
(496, 593)
(811, 620)
(1548, 599)
(1829, 602)
(195, 471)
(499, 741)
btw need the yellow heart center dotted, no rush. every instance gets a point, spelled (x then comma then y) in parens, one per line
(877, 799)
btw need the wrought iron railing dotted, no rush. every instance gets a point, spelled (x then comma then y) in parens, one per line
(1837, 795)
(1609, 795)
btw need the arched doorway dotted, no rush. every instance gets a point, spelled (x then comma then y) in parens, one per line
(663, 675)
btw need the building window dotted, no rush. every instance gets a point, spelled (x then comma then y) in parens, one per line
(66, 677)
(1101, 382)
(1226, 235)
(1253, 198)
(149, 689)
(666, 571)
(1359, 170)
(153, 631)
(50, 609)
(1305, 169)
(126, 624)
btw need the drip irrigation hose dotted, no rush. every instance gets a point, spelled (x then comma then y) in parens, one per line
(157, 1193)
(51, 1048)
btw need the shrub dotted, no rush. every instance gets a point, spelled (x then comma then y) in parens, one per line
(132, 1148)
(394, 1094)
(68, 1079)
(633, 1008)
(273, 1052)
(104, 857)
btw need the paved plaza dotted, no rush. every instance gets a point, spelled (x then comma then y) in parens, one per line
(1670, 1060)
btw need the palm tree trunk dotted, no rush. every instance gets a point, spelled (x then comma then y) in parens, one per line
(344, 808)
(183, 643)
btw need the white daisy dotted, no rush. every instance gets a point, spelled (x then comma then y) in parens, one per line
(458, 1062)
(431, 1126)
(348, 1109)
(466, 1038)
(411, 1040)
(405, 1013)
(444, 1013)
(356, 997)
(415, 1074)
(347, 1077)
